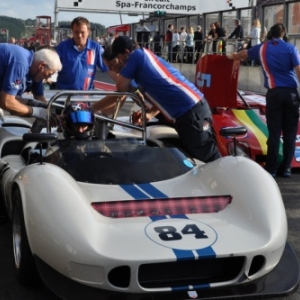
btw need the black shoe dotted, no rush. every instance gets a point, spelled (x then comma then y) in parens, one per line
(286, 172)
(3, 219)
(272, 173)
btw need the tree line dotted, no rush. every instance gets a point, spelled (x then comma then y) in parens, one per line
(19, 28)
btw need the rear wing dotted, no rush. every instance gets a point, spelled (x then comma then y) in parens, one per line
(217, 78)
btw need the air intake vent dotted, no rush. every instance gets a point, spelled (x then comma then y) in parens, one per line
(196, 272)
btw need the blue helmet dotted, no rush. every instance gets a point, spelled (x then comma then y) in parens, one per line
(76, 117)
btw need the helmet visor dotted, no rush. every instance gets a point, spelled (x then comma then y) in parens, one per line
(81, 117)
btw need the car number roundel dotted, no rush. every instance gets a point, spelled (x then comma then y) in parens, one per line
(181, 234)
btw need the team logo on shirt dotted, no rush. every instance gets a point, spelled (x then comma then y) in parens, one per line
(90, 71)
(16, 84)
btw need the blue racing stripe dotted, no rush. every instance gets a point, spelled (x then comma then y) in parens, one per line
(151, 190)
(157, 218)
(181, 288)
(181, 216)
(201, 286)
(194, 287)
(134, 191)
(206, 252)
(184, 254)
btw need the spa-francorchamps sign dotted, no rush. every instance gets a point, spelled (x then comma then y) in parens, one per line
(188, 7)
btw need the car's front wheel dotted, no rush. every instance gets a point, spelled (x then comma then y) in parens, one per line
(24, 260)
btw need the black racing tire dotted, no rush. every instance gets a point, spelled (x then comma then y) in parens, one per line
(25, 266)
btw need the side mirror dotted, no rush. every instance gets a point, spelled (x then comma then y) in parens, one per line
(40, 137)
(233, 132)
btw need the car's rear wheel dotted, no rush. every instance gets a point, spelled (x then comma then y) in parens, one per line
(24, 260)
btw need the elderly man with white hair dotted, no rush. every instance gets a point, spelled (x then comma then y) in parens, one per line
(23, 70)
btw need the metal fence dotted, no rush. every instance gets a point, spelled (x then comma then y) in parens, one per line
(182, 54)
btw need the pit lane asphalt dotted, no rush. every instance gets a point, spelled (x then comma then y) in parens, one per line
(11, 289)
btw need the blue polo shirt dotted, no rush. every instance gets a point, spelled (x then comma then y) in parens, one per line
(79, 67)
(278, 60)
(163, 85)
(15, 62)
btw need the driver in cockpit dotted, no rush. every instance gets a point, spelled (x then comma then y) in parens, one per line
(77, 125)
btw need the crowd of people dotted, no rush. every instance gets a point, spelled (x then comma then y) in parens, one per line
(186, 44)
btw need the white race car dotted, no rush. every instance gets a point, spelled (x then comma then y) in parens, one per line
(136, 219)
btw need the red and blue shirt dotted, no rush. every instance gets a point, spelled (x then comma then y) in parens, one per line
(278, 60)
(79, 67)
(163, 85)
(15, 62)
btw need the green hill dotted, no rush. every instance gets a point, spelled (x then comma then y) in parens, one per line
(19, 28)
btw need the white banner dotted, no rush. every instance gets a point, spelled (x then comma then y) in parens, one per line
(188, 7)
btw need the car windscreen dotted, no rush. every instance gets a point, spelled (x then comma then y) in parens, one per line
(121, 162)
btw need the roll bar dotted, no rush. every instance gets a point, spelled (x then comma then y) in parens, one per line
(71, 93)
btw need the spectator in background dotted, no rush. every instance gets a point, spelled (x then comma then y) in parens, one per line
(80, 58)
(168, 41)
(97, 39)
(211, 38)
(280, 63)
(220, 37)
(182, 43)
(157, 43)
(110, 39)
(53, 42)
(255, 37)
(26, 45)
(198, 38)
(175, 45)
(238, 34)
(189, 47)
(12, 40)
(103, 41)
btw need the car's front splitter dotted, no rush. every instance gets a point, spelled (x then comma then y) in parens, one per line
(282, 281)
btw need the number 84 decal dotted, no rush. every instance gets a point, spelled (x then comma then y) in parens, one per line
(169, 233)
(181, 233)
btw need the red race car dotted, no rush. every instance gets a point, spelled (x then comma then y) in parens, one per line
(217, 78)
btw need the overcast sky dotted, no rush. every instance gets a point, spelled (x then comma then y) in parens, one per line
(29, 9)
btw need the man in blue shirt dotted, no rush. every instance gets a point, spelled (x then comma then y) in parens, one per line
(280, 62)
(170, 93)
(20, 70)
(80, 57)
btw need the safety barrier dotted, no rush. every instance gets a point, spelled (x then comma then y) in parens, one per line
(181, 53)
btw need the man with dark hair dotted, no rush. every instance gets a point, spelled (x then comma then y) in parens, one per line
(198, 38)
(170, 93)
(80, 57)
(220, 37)
(168, 41)
(280, 62)
(238, 34)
